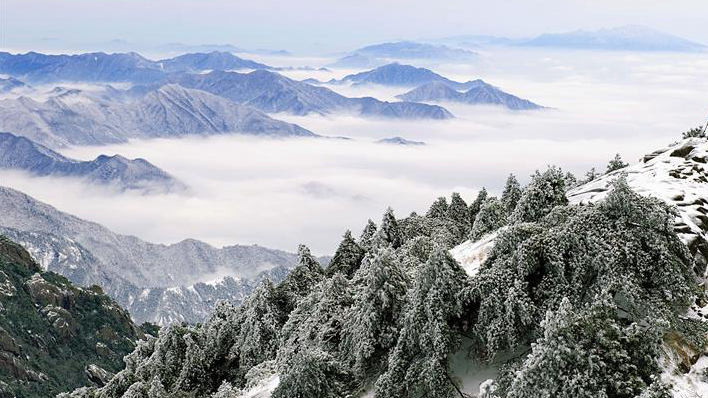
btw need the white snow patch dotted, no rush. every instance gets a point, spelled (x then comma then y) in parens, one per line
(471, 254)
(264, 389)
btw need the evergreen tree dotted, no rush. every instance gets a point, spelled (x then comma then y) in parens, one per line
(696, 132)
(591, 175)
(477, 205)
(418, 365)
(313, 373)
(438, 209)
(570, 181)
(313, 331)
(587, 353)
(491, 217)
(458, 212)
(616, 164)
(367, 234)
(370, 326)
(299, 281)
(625, 244)
(545, 191)
(261, 321)
(390, 231)
(511, 194)
(347, 258)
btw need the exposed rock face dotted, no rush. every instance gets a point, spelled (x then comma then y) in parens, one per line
(49, 328)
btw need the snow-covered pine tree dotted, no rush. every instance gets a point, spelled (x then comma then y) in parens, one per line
(299, 281)
(545, 191)
(591, 175)
(570, 181)
(347, 258)
(477, 204)
(616, 164)
(458, 212)
(490, 217)
(313, 373)
(511, 194)
(418, 365)
(308, 357)
(588, 353)
(389, 230)
(367, 234)
(261, 321)
(624, 244)
(438, 209)
(371, 324)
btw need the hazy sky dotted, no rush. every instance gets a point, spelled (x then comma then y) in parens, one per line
(308, 25)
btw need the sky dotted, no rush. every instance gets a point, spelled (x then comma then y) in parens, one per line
(311, 26)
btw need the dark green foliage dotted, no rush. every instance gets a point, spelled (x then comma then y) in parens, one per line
(545, 191)
(51, 330)
(347, 258)
(616, 164)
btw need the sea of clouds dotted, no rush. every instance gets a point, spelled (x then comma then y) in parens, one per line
(279, 193)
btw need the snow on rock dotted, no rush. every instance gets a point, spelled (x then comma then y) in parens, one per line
(471, 254)
(678, 175)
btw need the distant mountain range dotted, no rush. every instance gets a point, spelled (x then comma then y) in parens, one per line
(624, 38)
(400, 141)
(634, 38)
(130, 67)
(414, 50)
(145, 278)
(480, 93)
(396, 74)
(9, 84)
(75, 117)
(197, 62)
(357, 61)
(273, 93)
(19, 153)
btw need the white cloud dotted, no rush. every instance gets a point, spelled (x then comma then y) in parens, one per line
(279, 193)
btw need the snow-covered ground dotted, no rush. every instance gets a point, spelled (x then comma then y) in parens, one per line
(471, 254)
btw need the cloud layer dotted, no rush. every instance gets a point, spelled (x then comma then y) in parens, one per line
(279, 193)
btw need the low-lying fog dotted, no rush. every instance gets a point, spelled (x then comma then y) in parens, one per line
(279, 193)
